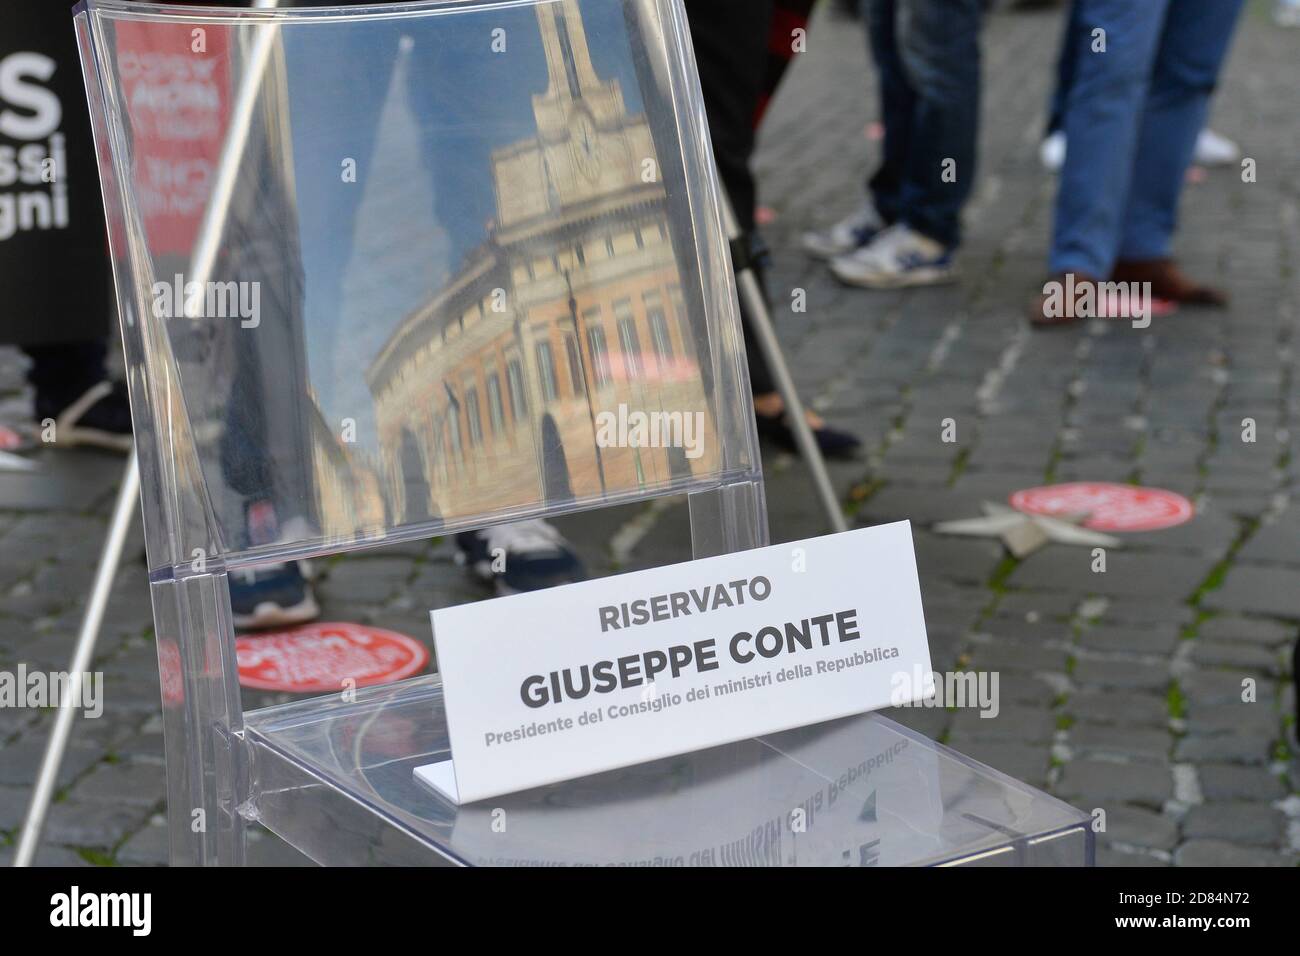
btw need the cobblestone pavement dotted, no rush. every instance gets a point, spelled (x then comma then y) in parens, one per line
(1119, 690)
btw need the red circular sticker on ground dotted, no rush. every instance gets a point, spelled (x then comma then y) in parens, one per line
(320, 657)
(1109, 507)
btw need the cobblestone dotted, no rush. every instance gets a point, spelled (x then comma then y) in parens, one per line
(1103, 676)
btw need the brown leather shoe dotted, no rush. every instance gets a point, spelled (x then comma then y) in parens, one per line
(1057, 304)
(1168, 282)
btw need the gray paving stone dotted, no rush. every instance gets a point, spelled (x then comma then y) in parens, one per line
(1140, 743)
(1229, 782)
(1109, 783)
(1240, 657)
(20, 762)
(86, 824)
(1138, 827)
(1119, 707)
(1035, 632)
(1124, 675)
(1157, 639)
(1023, 761)
(1202, 687)
(1125, 609)
(1224, 748)
(1257, 589)
(1278, 542)
(1002, 656)
(1240, 822)
(131, 783)
(1114, 856)
(1167, 576)
(1257, 718)
(148, 846)
(47, 855)
(1247, 630)
(1034, 606)
(1012, 723)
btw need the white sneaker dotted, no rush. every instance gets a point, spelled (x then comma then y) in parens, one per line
(1215, 150)
(1287, 13)
(897, 257)
(852, 232)
(1051, 152)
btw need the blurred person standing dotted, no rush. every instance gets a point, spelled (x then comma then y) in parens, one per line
(1142, 78)
(742, 48)
(927, 58)
(54, 269)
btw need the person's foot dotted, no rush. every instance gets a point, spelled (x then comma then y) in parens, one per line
(101, 416)
(520, 556)
(850, 233)
(1059, 302)
(895, 258)
(1287, 14)
(276, 595)
(1168, 282)
(1215, 150)
(1073, 297)
(833, 442)
(1051, 151)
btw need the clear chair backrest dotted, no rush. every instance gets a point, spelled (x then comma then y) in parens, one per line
(391, 271)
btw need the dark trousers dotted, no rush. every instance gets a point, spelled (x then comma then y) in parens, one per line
(927, 55)
(731, 39)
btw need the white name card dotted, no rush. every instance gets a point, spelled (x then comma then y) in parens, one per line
(556, 684)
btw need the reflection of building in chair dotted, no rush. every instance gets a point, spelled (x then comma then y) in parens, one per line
(488, 396)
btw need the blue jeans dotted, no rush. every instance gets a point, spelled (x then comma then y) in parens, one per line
(1131, 120)
(927, 55)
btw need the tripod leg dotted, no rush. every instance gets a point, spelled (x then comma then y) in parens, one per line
(761, 322)
(128, 499)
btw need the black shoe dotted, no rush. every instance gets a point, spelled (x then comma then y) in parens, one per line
(832, 442)
(520, 556)
(276, 595)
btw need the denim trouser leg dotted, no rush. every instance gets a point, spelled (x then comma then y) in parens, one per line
(897, 108)
(1194, 44)
(928, 56)
(1064, 70)
(1103, 115)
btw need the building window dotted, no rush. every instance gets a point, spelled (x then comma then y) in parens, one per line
(475, 422)
(453, 430)
(663, 342)
(575, 364)
(546, 372)
(596, 345)
(496, 411)
(515, 383)
(566, 53)
(630, 344)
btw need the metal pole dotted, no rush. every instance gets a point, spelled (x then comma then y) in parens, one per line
(751, 296)
(128, 497)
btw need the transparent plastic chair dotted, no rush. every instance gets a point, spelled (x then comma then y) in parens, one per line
(390, 272)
